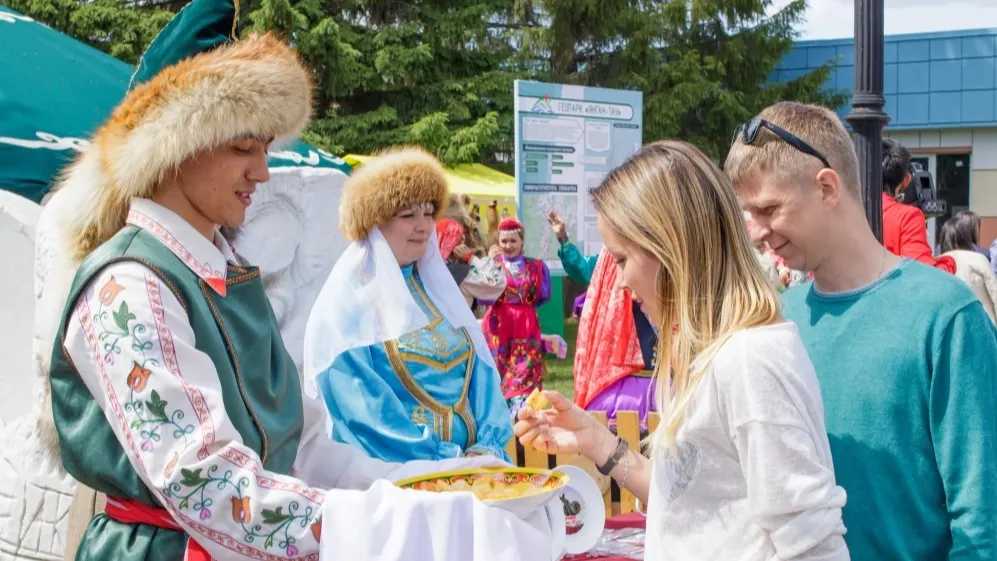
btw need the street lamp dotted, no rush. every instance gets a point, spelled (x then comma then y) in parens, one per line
(867, 117)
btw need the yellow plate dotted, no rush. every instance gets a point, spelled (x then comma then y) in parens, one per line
(537, 481)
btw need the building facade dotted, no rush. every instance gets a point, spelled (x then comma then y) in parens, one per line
(941, 95)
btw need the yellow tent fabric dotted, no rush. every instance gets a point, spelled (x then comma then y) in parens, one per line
(476, 180)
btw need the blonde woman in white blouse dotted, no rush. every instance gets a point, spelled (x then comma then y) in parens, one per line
(740, 466)
(958, 236)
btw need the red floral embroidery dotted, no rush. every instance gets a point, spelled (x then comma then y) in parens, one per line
(138, 377)
(109, 291)
(201, 410)
(240, 510)
(274, 525)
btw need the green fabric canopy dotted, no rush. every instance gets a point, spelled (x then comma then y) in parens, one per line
(54, 93)
(200, 27)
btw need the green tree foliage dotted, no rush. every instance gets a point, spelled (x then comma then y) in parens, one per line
(439, 72)
(429, 72)
(704, 65)
(120, 29)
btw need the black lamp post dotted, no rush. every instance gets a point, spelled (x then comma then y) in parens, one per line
(867, 117)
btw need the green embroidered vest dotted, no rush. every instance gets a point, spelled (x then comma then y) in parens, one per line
(260, 390)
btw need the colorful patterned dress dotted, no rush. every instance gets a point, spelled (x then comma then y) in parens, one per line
(512, 328)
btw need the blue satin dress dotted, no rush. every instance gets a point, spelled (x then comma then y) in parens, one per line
(425, 396)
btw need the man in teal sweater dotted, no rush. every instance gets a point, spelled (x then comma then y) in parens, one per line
(905, 354)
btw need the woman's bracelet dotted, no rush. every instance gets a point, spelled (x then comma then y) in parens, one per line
(626, 472)
(618, 454)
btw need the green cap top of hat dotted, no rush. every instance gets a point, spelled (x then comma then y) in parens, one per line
(201, 26)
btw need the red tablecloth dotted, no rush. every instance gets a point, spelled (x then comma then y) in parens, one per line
(632, 520)
(615, 523)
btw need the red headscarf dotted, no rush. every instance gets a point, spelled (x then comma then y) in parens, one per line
(608, 349)
(449, 234)
(510, 225)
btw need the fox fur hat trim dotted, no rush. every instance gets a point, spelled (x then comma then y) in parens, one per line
(395, 179)
(256, 87)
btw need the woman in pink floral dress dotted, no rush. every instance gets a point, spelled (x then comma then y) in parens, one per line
(511, 325)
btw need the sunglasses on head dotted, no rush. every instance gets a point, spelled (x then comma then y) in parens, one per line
(749, 133)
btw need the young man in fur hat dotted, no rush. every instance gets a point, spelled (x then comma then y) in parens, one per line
(172, 392)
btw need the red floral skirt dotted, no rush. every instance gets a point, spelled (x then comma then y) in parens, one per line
(513, 335)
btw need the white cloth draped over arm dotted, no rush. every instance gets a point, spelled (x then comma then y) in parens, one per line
(352, 468)
(198, 454)
(486, 281)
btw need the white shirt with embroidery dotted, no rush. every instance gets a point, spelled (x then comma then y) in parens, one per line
(750, 476)
(133, 346)
(485, 281)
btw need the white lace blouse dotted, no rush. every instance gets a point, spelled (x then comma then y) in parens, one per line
(750, 477)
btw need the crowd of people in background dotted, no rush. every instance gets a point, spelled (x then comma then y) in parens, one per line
(958, 250)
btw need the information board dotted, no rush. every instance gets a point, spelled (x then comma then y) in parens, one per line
(567, 139)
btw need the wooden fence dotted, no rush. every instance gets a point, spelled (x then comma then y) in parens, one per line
(617, 501)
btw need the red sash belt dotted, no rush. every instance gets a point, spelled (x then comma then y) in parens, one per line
(127, 511)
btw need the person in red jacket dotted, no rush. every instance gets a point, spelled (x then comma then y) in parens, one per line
(904, 233)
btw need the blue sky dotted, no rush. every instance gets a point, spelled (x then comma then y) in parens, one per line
(832, 19)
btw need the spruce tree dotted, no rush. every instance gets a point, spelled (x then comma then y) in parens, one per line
(439, 73)
(704, 65)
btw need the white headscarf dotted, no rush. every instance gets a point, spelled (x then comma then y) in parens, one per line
(365, 301)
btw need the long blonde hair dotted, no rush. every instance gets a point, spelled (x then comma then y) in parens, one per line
(670, 200)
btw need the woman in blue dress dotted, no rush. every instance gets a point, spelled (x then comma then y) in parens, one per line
(391, 346)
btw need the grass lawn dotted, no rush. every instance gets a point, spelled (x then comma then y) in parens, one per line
(559, 371)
